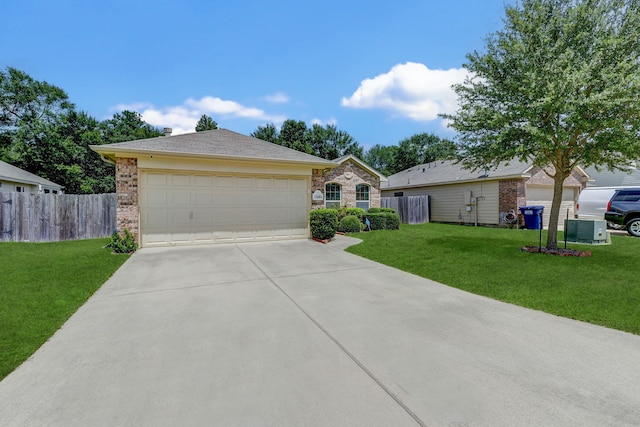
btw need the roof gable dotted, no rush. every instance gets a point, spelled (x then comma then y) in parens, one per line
(360, 163)
(217, 143)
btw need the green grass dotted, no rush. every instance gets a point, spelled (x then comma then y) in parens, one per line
(41, 286)
(603, 289)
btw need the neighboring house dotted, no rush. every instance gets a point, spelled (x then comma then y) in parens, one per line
(21, 181)
(457, 195)
(352, 183)
(606, 178)
(211, 187)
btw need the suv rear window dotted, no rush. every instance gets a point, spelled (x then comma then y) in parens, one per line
(628, 196)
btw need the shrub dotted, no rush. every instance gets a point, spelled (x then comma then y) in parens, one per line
(350, 224)
(381, 210)
(377, 220)
(384, 221)
(357, 212)
(122, 243)
(392, 221)
(323, 223)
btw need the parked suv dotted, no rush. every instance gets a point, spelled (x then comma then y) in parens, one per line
(624, 209)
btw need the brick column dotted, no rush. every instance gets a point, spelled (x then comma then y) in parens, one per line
(127, 196)
(317, 183)
(512, 194)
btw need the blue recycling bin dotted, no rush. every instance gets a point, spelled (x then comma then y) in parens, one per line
(532, 216)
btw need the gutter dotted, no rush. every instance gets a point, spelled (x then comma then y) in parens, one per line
(110, 156)
(461, 181)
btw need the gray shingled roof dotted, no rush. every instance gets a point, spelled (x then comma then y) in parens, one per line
(213, 143)
(11, 173)
(443, 172)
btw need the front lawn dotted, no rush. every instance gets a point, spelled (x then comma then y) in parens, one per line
(603, 289)
(42, 285)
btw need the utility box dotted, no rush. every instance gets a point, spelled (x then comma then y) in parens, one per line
(468, 199)
(592, 231)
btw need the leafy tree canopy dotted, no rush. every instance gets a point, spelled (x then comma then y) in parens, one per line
(127, 126)
(206, 123)
(42, 133)
(381, 158)
(558, 86)
(327, 141)
(422, 148)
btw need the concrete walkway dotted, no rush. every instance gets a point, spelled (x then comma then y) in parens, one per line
(303, 334)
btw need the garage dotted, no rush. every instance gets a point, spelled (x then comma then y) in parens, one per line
(178, 208)
(210, 187)
(543, 196)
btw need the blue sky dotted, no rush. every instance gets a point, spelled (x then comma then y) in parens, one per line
(379, 70)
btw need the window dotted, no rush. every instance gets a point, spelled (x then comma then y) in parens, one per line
(362, 196)
(332, 195)
(19, 189)
(398, 194)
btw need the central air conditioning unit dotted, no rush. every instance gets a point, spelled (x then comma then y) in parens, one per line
(592, 231)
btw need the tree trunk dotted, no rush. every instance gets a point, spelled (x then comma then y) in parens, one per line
(552, 235)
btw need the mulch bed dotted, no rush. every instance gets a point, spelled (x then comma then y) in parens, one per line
(557, 252)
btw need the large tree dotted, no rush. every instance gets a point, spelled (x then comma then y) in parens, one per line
(421, 148)
(330, 143)
(32, 120)
(558, 86)
(381, 158)
(127, 126)
(327, 142)
(268, 132)
(206, 123)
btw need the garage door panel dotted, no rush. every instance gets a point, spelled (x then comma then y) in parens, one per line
(180, 180)
(224, 182)
(189, 208)
(203, 181)
(180, 198)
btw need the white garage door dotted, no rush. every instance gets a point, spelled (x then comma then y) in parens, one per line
(180, 208)
(543, 196)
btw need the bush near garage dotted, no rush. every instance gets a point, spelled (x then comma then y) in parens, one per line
(124, 243)
(350, 224)
(323, 223)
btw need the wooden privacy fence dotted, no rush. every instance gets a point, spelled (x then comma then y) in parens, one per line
(26, 217)
(412, 209)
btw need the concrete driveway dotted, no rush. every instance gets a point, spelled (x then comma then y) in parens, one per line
(303, 334)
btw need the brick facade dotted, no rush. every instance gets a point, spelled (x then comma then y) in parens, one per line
(512, 194)
(127, 196)
(348, 175)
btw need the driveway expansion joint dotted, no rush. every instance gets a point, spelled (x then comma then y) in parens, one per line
(336, 342)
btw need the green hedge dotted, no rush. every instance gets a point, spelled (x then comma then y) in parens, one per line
(350, 224)
(381, 210)
(384, 220)
(357, 212)
(323, 223)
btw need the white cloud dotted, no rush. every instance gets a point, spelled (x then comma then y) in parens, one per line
(277, 98)
(183, 118)
(411, 90)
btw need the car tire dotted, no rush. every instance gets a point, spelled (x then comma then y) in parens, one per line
(633, 227)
